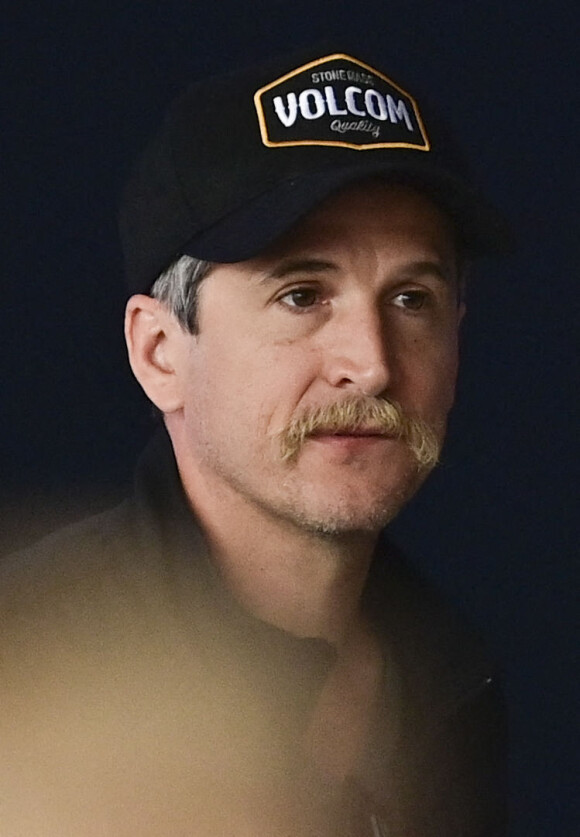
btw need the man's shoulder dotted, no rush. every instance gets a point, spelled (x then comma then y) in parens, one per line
(68, 581)
(98, 594)
(141, 557)
(85, 544)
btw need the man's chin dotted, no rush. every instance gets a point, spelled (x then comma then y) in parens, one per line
(331, 512)
(343, 520)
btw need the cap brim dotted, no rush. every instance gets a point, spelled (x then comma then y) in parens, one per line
(249, 230)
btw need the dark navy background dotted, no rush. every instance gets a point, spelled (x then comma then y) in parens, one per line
(497, 526)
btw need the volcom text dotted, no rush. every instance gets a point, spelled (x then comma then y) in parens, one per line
(314, 103)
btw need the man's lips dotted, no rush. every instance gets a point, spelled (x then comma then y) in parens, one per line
(357, 433)
(350, 438)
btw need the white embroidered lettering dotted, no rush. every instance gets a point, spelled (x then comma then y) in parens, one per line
(328, 75)
(349, 95)
(376, 105)
(333, 108)
(317, 99)
(361, 78)
(398, 112)
(286, 117)
(340, 126)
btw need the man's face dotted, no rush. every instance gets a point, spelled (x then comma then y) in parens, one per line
(359, 300)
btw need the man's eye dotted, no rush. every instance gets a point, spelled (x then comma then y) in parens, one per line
(300, 298)
(411, 300)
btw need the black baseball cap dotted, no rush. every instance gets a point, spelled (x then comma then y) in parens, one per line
(242, 157)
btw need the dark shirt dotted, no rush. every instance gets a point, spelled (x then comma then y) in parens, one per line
(141, 698)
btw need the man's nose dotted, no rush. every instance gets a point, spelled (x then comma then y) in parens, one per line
(358, 358)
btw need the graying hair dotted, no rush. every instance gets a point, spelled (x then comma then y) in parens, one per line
(178, 289)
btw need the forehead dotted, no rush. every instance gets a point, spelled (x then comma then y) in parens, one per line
(371, 215)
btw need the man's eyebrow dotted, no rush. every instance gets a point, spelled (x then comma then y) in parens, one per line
(290, 266)
(447, 273)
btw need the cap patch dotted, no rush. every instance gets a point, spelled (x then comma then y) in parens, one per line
(338, 100)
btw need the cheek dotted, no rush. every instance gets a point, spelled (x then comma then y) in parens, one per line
(252, 390)
(444, 378)
(429, 378)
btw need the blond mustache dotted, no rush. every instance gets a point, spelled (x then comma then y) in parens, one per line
(370, 415)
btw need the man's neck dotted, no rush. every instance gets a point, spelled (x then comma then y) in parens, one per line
(303, 582)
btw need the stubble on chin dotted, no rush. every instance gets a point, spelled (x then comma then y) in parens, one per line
(326, 510)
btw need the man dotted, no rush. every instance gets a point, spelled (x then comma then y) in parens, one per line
(237, 649)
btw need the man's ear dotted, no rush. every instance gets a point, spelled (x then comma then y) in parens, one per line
(156, 344)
